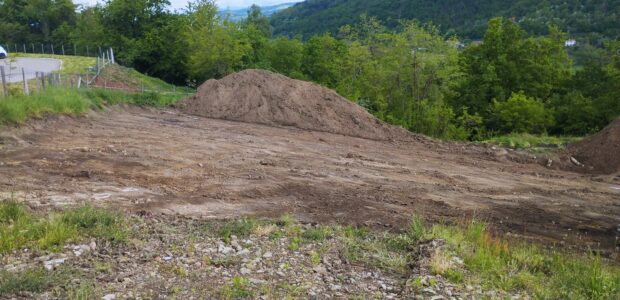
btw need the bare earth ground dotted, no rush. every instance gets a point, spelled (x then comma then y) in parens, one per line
(164, 161)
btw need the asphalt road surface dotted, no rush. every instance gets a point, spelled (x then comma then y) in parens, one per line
(13, 67)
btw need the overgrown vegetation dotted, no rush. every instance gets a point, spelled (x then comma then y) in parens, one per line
(511, 266)
(518, 79)
(16, 110)
(20, 228)
(533, 143)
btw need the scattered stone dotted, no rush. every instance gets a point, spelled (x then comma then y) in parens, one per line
(576, 162)
(52, 264)
(109, 297)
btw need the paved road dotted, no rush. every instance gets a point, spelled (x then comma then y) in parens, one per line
(13, 67)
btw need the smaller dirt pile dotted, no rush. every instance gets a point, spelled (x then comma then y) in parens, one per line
(600, 153)
(263, 97)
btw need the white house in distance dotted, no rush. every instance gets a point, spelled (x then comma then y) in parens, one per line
(570, 43)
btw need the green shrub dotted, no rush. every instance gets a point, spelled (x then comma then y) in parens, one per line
(521, 114)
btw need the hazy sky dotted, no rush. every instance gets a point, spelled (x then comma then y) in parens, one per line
(221, 3)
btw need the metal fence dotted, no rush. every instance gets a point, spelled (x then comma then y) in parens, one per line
(16, 80)
(56, 49)
(25, 81)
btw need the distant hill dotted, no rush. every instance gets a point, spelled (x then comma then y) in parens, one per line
(240, 13)
(467, 18)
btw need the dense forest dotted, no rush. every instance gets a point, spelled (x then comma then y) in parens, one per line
(587, 19)
(411, 74)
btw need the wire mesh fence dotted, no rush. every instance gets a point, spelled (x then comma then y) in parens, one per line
(56, 49)
(19, 78)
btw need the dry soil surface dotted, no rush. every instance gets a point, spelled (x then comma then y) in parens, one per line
(164, 161)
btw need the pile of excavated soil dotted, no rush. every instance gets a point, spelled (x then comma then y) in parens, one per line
(600, 153)
(263, 97)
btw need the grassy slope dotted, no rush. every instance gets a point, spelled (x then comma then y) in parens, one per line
(17, 108)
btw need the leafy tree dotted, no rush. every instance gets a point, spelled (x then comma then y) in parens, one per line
(521, 114)
(322, 59)
(257, 19)
(506, 62)
(285, 56)
(574, 114)
(216, 47)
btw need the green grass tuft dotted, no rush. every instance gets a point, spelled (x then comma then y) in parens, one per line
(20, 228)
(533, 143)
(240, 228)
(514, 267)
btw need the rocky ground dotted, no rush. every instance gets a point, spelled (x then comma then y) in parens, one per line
(183, 258)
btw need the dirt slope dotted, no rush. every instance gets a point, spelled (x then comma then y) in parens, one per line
(165, 161)
(600, 153)
(263, 97)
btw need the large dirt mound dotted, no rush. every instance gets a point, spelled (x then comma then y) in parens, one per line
(600, 153)
(258, 96)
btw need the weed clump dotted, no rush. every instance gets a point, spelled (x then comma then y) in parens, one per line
(21, 228)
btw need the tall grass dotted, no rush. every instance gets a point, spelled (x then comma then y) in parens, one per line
(514, 267)
(20, 228)
(16, 110)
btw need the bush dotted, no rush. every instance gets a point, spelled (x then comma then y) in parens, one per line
(574, 114)
(520, 114)
(437, 120)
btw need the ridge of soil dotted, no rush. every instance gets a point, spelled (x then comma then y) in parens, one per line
(599, 153)
(263, 97)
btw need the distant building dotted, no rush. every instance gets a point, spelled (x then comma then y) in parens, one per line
(570, 43)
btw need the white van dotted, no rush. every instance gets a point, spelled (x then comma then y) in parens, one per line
(3, 53)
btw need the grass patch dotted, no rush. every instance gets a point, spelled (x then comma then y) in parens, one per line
(136, 79)
(17, 109)
(317, 234)
(71, 65)
(240, 228)
(239, 288)
(514, 267)
(533, 143)
(31, 280)
(38, 279)
(20, 228)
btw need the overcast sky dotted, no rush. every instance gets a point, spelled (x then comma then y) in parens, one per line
(221, 3)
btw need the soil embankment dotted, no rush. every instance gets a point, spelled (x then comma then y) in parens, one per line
(263, 97)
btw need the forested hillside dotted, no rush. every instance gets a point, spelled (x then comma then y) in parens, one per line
(412, 75)
(466, 18)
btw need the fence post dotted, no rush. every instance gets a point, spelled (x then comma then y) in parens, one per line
(63, 49)
(32, 47)
(26, 90)
(74, 50)
(112, 55)
(42, 49)
(79, 82)
(53, 49)
(43, 81)
(24, 47)
(4, 86)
